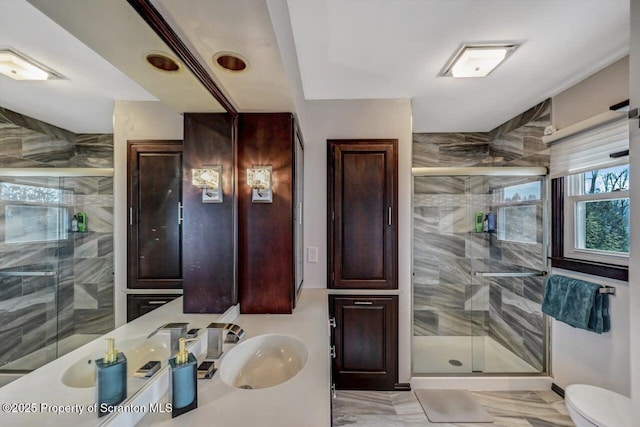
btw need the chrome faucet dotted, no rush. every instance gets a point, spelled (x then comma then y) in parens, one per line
(216, 337)
(176, 331)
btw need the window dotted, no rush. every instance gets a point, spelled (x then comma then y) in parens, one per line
(517, 207)
(590, 199)
(597, 215)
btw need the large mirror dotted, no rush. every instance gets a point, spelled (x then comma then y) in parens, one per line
(64, 219)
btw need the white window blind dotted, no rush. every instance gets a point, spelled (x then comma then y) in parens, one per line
(590, 149)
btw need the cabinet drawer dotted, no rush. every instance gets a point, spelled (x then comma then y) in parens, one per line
(137, 305)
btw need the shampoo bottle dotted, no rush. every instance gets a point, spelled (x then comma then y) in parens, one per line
(184, 391)
(479, 222)
(111, 379)
(491, 222)
(82, 221)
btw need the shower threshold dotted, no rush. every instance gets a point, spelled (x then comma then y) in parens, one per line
(454, 355)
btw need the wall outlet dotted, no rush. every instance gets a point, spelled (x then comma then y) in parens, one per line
(312, 254)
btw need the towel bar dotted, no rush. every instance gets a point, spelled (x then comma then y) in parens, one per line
(607, 290)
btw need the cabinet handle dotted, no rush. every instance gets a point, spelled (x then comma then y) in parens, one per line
(180, 211)
(363, 302)
(157, 302)
(130, 215)
(390, 215)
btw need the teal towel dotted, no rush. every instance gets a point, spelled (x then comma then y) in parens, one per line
(577, 303)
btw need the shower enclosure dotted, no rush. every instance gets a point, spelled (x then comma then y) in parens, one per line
(479, 261)
(56, 283)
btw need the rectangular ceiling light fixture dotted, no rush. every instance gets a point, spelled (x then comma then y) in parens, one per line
(19, 67)
(477, 60)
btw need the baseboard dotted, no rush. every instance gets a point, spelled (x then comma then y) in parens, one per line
(559, 390)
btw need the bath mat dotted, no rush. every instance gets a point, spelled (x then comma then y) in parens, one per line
(452, 406)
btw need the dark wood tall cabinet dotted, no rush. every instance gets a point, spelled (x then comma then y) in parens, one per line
(362, 209)
(270, 234)
(209, 261)
(362, 246)
(365, 341)
(155, 231)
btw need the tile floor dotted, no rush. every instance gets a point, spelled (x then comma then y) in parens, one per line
(402, 409)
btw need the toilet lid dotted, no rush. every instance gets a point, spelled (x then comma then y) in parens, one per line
(600, 406)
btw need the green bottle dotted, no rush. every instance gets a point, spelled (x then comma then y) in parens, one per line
(479, 222)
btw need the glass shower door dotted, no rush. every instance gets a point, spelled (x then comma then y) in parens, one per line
(479, 260)
(508, 265)
(33, 233)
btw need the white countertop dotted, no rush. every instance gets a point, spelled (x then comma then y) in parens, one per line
(302, 400)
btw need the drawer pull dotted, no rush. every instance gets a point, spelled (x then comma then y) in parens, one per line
(363, 302)
(157, 302)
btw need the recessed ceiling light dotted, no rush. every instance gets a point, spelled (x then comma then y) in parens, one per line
(477, 60)
(20, 67)
(230, 61)
(162, 62)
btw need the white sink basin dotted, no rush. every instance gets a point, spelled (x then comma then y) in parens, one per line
(138, 351)
(263, 361)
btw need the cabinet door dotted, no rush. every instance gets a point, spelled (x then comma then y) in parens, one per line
(362, 201)
(155, 197)
(366, 342)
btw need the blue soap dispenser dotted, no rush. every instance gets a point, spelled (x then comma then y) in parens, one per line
(111, 379)
(184, 390)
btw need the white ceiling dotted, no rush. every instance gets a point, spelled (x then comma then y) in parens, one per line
(346, 49)
(99, 46)
(360, 49)
(243, 27)
(83, 101)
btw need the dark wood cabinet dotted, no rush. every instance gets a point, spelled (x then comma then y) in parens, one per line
(140, 304)
(362, 204)
(270, 234)
(209, 230)
(365, 337)
(154, 232)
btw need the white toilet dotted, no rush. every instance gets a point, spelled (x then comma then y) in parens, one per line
(594, 406)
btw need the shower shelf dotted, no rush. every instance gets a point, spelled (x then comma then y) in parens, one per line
(508, 274)
(28, 273)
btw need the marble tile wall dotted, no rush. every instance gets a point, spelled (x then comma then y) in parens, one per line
(448, 300)
(37, 311)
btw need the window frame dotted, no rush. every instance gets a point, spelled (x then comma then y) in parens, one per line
(559, 259)
(573, 196)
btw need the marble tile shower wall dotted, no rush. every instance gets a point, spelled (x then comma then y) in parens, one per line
(36, 311)
(448, 300)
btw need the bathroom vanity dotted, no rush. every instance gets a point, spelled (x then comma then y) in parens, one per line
(62, 392)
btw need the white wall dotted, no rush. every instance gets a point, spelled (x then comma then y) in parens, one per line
(580, 356)
(592, 96)
(133, 120)
(634, 261)
(343, 119)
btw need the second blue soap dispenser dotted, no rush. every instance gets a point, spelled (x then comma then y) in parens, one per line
(184, 388)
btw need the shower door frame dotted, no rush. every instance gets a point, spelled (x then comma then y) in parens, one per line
(492, 171)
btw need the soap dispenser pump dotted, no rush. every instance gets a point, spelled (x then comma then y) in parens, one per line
(184, 390)
(111, 378)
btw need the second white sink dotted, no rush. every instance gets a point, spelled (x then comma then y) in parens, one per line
(263, 361)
